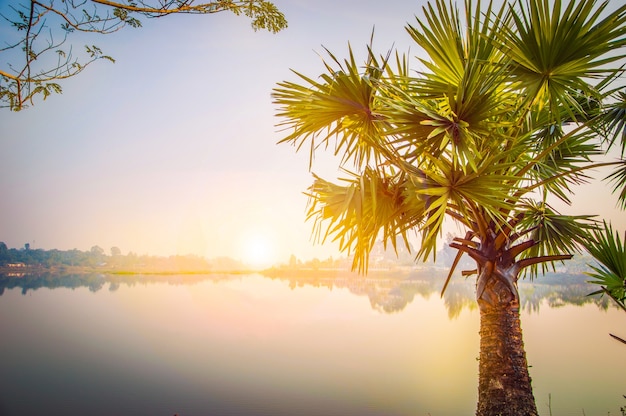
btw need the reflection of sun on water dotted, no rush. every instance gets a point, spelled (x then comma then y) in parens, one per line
(258, 249)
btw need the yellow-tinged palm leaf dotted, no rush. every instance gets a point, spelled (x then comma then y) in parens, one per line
(489, 187)
(356, 213)
(453, 45)
(440, 37)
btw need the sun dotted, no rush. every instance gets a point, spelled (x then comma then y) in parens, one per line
(258, 249)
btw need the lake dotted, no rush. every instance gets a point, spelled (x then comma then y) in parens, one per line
(284, 345)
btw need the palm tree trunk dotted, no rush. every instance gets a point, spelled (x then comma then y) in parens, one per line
(504, 385)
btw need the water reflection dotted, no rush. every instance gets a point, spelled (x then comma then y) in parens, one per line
(388, 292)
(286, 344)
(95, 281)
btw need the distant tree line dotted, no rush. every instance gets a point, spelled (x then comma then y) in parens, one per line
(96, 257)
(49, 258)
(386, 257)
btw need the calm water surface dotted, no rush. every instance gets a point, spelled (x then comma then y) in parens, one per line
(251, 345)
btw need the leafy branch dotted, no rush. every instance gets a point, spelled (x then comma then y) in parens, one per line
(39, 54)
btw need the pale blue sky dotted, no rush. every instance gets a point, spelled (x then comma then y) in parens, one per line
(172, 149)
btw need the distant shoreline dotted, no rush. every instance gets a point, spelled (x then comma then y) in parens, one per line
(400, 273)
(36, 269)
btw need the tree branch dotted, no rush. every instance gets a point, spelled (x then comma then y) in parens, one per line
(183, 9)
(78, 24)
(515, 250)
(458, 256)
(543, 259)
(44, 27)
(473, 253)
(9, 76)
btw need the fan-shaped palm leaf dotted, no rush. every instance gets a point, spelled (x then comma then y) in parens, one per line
(341, 107)
(354, 214)
(553, 233)
(618, 178)
(461, 101)
(551, 72)
(614, 119)
(558, 169)
(610, 251)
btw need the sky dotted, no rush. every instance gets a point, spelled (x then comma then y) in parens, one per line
(173, 148)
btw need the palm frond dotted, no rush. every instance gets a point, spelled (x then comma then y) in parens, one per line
(559, 168)
(462, 99)
(614, 121)
(553, 233)
(440, 35)
(551, 72)
(618, 179)
(610, 251)
(355, 214)
(472, 198)
(339, 110)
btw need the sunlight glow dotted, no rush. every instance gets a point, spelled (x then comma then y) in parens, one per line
(258, 249)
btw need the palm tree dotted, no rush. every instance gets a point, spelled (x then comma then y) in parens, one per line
(500, 119)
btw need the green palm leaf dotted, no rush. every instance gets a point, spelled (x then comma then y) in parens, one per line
(553, 233)
(613, 127)
(341, 107)
(614, 119)
(610, 251)
(618, 178)
(558, 169)
(462, 102)
(551, 72)
(440, 35)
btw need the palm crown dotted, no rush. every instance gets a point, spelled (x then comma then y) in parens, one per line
(504, 112)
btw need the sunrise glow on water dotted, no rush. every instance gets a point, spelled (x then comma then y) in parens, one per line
(251, 345)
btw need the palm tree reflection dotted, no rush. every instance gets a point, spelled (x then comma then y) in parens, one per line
(388, 292)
